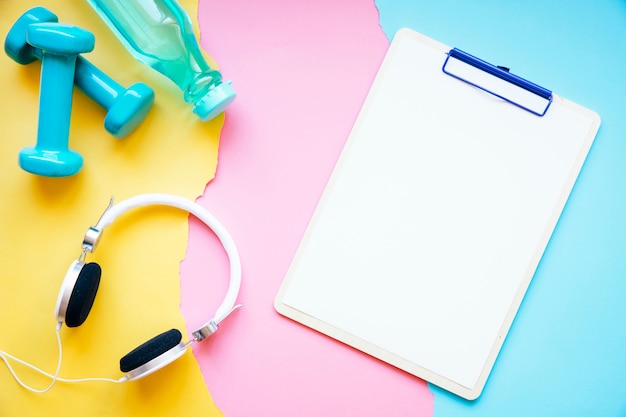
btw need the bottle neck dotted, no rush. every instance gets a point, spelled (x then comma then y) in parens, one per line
(201, 84)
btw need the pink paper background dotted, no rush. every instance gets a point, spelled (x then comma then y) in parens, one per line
(302, 70)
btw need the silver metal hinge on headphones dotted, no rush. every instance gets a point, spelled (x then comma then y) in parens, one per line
(93, 235)
(211, 327)
(91, 239)
(205, 331)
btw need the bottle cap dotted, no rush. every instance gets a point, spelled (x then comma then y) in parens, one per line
(214, 101)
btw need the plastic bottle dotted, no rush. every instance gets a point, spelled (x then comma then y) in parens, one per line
(159, 34)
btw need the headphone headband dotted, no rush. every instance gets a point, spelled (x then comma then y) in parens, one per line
(94, 233)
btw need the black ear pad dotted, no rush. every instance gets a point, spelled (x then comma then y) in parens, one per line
(152, 349)
(83, 295)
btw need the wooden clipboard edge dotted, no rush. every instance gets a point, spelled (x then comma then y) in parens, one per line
(469, 393)
(374, 351)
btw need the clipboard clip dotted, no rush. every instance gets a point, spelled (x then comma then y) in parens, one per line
(497, 81)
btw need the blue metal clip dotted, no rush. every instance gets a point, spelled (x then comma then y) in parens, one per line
(537, 102)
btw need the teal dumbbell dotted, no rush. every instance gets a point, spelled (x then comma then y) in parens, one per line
(60, 45)
(126, 108)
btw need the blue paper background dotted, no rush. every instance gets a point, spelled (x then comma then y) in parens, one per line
(565, 353)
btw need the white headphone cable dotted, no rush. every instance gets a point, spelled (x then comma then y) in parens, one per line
(6, 357)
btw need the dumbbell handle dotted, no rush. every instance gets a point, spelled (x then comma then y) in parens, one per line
(96, 84)
(93, 82)
(55, 104)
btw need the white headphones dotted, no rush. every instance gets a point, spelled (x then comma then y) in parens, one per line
(81, 282)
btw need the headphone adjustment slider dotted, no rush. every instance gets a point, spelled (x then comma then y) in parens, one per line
(91, 239)
(205, 331)
(93, 234)
(211, 327)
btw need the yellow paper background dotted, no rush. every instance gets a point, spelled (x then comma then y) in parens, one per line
(42, 222)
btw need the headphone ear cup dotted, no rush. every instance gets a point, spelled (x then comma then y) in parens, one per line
(151, 350)
(83, 295)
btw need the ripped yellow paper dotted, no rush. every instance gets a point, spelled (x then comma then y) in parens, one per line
(43, 220)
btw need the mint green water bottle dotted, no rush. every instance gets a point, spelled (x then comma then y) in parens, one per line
(159, 34)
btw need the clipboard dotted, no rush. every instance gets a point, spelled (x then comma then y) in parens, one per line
(437, 213)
